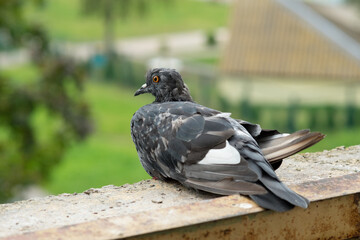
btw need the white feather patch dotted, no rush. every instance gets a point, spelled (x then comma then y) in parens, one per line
(224, 114)
(226, 155)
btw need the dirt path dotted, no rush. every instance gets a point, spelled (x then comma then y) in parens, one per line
(139, 47)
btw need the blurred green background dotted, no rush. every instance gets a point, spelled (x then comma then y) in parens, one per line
(96, 37)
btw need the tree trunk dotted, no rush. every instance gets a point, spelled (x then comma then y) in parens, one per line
(109, 28)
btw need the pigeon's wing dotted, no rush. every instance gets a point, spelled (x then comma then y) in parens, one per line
(224, 172)
(208, 162)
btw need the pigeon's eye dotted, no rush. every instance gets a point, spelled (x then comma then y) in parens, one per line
(156, 79)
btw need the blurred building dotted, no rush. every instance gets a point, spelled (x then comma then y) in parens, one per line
(299, 46)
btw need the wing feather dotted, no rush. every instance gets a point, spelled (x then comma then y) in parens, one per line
(226, 186)
(217, 172)
(189, 128)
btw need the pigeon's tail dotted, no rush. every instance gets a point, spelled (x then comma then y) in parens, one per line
(275, 203)
(279, 197)
(279, 146)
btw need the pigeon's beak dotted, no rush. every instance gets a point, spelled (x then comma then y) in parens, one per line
(143, 89)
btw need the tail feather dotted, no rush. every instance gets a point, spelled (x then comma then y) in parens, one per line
(280, 146)
(279, 196)
(281, 138)
(282, 191)
(271, 201)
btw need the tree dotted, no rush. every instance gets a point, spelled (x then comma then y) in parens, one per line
(40, 119)
(354, 2)
(109, 10)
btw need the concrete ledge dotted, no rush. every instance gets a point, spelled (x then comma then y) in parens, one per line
(156, 210)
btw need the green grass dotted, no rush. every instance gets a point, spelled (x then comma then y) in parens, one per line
(213, 60)
(333, 139)
(65, 21)
(21, 75)
(108, 156)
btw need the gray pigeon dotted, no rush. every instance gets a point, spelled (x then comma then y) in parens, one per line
(206, 149)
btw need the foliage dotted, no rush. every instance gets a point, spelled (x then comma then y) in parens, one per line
(297, 116)
(211, 39)
(108, 10)
(121, 8)
(30, 146)
(356, 3)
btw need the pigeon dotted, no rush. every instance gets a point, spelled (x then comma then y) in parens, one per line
(207, 150)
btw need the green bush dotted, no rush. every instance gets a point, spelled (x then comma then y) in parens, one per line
(38, 118)
(295, 116)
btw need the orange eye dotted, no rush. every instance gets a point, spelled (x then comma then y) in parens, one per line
(156, 79)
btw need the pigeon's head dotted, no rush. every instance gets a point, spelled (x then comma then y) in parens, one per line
(166, 85)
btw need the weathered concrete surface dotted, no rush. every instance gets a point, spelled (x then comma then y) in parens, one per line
(109, 201)
(314, 166)
(65, 209)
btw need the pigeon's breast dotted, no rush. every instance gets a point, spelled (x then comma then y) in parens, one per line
(148, 129)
